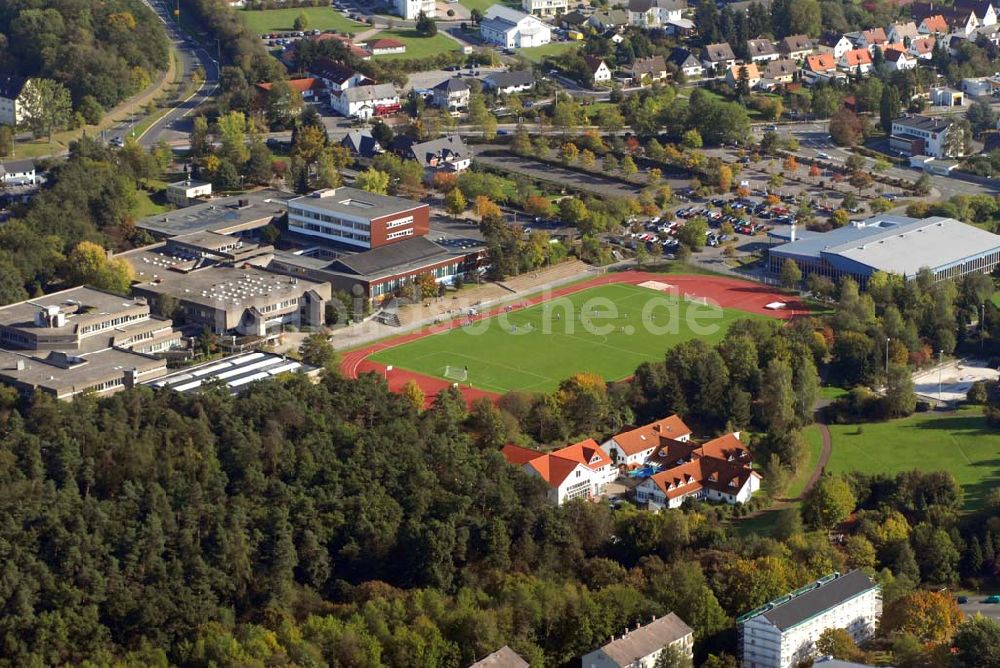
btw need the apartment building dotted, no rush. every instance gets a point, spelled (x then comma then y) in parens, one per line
(783, 632)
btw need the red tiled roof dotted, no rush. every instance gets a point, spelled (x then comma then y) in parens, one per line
(875, 36)
(856, 57)
(936, 23)
(301, 85)
(515, 454)
(637, 439)
(822, 62)
(711, 468)
(586, 452)
(385, 43)
(923, 45)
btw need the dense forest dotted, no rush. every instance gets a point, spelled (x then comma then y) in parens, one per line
(102, 52)
(335, 523)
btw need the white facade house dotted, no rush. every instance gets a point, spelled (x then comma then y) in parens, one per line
(12, 92)
(783, 633)
(17, 173)
(835, 44)
(512, 29)
(366, 101)
(509, 83)
(580, 470)
(984, 10)
(183, 193)
(921, 135)
(410, 9)
(900, 60)
(655, 13)
(641, 648)
(632, 447)
(545, 7)
(599, 70)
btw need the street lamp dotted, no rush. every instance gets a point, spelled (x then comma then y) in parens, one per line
(887, 340)
(940, 352)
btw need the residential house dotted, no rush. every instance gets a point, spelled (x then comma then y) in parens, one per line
(512, 29)
(869, 39)
(642, 646)
(835, 44)
(781, 71)
(717, 57)
(900, 60)
(632, 446)
(922, 135)
(508, 83)
(984, 10)
(410, 9)
(366, 101)
(451, 94)
(574, 20)
(820, 67)
(783, 632)
(933, 25)
(646, 70)
(856, 61)
(504, 657)
(902, 33)
(922, 48)
(12, 93)
(686, 62)
(719, 470)
(580, 470)
(655, 13)
(796, 47)
(336, 77)
(385, 46)
(989, 33)
(735, 73)
(445, 154)
(762, 50)
(310, 89)
(962, 22)
(17, 173)
(361, 143)
(599, 70)
(545, 7)
(608, 20)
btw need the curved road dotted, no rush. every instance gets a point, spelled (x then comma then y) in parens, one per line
(191, 55)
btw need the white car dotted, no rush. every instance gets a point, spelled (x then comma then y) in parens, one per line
(823, 156)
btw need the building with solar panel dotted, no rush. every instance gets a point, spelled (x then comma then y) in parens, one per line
(892, 244)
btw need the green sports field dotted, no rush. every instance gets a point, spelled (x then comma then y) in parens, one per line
(608, 330)
(960, 442)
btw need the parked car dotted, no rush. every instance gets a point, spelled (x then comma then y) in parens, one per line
(962, 599)
(992, 599)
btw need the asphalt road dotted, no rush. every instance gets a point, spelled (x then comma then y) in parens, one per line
(975, 605)
(176, 123)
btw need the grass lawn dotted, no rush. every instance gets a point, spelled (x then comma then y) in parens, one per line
(996, 299)
(959, 442)
(417, 46)
(815, 442)
(832, 393)
(320, 18)
(608, 330)
(536, 53)
(481, 5)
(147, 204)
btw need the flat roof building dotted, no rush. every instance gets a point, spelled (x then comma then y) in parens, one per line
(81, 340)
(783, 632)
(223, 215)
(246, 299)
(378, 273)
(357, 218)
(892, 244)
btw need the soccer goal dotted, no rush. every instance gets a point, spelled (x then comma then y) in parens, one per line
(458, 373)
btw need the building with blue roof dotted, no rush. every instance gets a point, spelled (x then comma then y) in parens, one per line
(891, 244)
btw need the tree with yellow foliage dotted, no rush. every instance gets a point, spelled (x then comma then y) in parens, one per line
(89, 264)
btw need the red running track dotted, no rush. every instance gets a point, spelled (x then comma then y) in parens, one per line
(727, 292)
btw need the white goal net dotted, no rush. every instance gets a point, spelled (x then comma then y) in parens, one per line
(458, 373)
